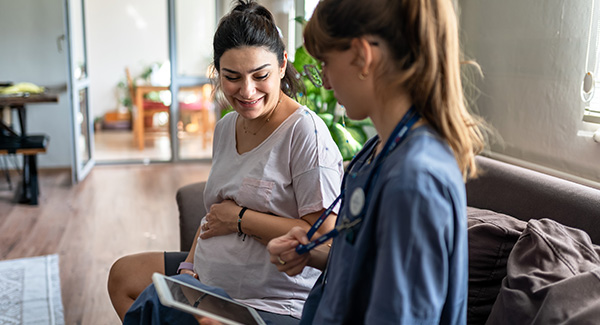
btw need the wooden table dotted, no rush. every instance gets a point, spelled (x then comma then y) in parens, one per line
(138, 101)
(18, 103)
(29, 189)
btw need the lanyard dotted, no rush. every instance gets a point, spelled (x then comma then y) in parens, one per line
(401, 131)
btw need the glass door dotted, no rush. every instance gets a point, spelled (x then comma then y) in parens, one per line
(83, 132)
(192, 25)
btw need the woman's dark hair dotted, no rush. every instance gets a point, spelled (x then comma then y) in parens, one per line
(250, 24)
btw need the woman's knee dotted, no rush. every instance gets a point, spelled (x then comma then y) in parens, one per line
(133, 272)
(119, 273)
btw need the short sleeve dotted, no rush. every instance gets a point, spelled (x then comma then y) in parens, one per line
(316, 165)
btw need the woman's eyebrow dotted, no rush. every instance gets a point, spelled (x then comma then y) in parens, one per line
(251, 71)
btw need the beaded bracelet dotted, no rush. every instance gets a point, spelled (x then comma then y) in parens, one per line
(239, 223)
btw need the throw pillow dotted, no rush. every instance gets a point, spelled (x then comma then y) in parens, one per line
(553, 278)
(491, 238)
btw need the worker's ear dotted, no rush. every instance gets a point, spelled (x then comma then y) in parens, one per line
(363, 55)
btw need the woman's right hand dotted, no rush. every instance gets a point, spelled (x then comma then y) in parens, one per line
(283, 251)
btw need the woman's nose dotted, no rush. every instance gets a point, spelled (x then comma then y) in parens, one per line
(248, 89)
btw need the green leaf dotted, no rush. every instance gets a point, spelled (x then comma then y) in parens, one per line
(302, 58)
(327, 118)
(300, 20)
(346, 143)
(357, 133)
(226, 110)
(361, 123)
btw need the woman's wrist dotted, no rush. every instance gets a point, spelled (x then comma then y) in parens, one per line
(239, 230)
(185, 266)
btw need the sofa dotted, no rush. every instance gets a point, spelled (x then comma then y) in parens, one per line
(533, 254)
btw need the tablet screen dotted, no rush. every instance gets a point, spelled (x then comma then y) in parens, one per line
(207, 303)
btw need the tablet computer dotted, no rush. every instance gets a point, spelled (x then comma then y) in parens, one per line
(180, 295)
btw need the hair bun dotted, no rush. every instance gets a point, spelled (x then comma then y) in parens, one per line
(252, 7)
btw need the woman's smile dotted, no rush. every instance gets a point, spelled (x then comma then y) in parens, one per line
(251, 103)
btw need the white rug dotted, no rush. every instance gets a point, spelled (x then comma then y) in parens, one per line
(30, 291)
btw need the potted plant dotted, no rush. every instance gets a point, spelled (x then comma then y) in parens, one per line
(97, 123)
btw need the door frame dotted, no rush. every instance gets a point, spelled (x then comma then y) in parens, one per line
(178, 81)
(79, 169)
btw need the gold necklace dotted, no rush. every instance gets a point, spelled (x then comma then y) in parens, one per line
(246, 131)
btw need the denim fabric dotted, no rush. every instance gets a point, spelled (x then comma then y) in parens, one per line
(147, 308)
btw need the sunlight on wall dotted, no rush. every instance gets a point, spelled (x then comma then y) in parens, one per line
(140, 23)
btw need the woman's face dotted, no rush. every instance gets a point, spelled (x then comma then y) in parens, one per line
(250, 78)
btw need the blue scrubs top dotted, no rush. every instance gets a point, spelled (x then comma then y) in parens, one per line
(407, 260)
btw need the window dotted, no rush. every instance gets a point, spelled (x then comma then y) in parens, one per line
(590, 86)
(309, 7)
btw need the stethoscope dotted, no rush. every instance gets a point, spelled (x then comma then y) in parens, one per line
(358, 201)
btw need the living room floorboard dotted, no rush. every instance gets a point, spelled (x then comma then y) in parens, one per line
(116, 210)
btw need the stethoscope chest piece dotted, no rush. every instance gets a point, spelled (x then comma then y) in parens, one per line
(357, 201)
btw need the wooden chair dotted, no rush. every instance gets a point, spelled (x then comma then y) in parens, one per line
(202, 119)
(149, 108)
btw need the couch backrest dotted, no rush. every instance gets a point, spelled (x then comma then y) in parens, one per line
(190, 201)
(527, 194)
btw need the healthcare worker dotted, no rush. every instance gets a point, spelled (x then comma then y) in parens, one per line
(399, 252)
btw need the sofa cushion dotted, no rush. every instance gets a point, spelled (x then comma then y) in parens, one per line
(491, 238)
(553, 277)
(190, 201)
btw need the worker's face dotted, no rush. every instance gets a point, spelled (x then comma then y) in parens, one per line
(340, 75)
(350, 73)
(250, 78)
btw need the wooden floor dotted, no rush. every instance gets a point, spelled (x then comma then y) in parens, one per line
(116, 210)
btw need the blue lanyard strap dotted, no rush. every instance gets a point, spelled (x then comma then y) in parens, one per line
(323, 216)
(401, 131)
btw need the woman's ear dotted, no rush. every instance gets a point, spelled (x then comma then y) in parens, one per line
(363, 55)
(283, 65)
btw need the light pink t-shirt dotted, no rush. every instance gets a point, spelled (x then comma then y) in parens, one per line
(297, 170)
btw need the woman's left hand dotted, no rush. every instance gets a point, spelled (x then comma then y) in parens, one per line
(221, 219)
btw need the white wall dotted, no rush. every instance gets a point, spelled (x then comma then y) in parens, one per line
(29, 51)
(122, 33)
(195, 26)
(532, 53)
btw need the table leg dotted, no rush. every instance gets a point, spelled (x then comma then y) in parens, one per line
(29, 189)
(22, 117)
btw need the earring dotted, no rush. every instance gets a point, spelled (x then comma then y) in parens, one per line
(362, 76)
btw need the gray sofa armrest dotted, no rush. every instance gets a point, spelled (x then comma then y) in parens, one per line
(526, 194)
(190, 201)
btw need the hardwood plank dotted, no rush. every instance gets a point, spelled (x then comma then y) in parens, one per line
(116, 210)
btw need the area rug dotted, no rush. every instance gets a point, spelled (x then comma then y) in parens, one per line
(30, 291)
